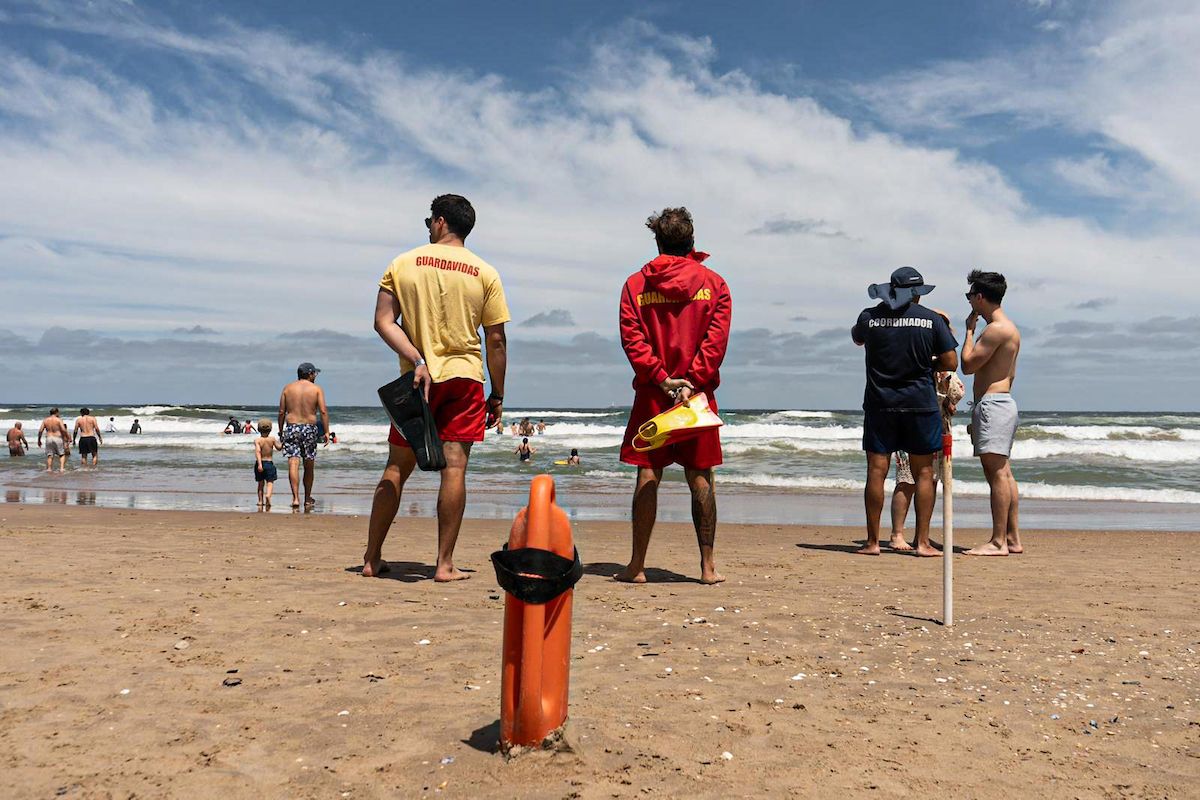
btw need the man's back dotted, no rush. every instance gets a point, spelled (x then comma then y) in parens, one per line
(675, 316)
(87, 425)
(901, 345)
(996, 374)
(301, 402)
(54, 426)
(15, 436)
(445, 294)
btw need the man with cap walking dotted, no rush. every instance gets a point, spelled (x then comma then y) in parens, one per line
(905, 343)
(299, 405)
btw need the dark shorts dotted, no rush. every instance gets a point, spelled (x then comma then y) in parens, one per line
(458, 409)
(267, 473)
(915, 432)
(299, 440)
(699, 452)
(88, 446)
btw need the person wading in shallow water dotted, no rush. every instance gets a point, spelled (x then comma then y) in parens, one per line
(299, 404)
(675, 316)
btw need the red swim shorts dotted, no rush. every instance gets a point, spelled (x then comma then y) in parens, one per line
(700, 452)
(459, 410)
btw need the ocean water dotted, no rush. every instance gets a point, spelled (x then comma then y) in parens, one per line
(1088, 470)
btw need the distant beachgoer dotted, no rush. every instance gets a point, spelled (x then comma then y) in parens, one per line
(675, 315)
(993, 362)
(300, 403)
(248, 427)
(332, 437)
(430, 306)
(516, 429)
(499, 427)
(904, 343)
(18, 445)
(541, 427)
(56, 435)
(136, 427)
(111, 427)
(950, 390)
(265, 473)
(524, 450)
(87, 430)
(574, 460)
(527, 427)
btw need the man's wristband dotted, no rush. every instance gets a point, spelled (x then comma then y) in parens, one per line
(496, 397)
(420, 362)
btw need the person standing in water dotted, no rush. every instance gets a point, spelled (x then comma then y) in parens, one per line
(993, 361)
(524, 451)
(675, 315)
(300, 403)
(56, 435)
(87, 429)
(18, 445)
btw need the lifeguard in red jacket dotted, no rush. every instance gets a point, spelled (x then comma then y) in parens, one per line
(675, 315)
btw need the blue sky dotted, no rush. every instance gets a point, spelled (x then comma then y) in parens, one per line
(214, 192)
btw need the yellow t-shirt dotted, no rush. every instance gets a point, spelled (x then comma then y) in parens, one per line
(445, 294)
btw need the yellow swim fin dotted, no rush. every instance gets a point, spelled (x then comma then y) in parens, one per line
(684, 421)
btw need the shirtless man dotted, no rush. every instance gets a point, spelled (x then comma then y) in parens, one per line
(87, 434)
(993, 361)
(56, 434)
(299, 405)
(17, 444)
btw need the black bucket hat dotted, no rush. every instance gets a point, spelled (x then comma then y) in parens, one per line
(905, 286)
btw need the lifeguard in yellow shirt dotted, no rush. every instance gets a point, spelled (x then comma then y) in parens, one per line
(431, 304)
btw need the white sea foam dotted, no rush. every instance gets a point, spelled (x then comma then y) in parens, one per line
(1041, 491)
(802, 414)
(1117, 432)
(510, 413)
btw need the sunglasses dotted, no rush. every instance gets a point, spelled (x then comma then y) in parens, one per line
(428, 222)
(969, 295)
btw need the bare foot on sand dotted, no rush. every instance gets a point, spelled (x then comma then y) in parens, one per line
(1015, 549)
(711, 577)
(452, 574)
(380, 567)
(628, 575)
(927, 551)
(868, 550)
(988, 549)
(898, 544)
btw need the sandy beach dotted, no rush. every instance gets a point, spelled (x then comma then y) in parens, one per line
(1072, 671)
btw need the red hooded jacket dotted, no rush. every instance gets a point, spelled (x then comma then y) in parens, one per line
(675, 315)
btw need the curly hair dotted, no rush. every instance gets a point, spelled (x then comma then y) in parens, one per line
(457, 211)
(673, 230)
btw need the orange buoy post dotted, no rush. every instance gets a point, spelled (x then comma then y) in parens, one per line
(534, 679)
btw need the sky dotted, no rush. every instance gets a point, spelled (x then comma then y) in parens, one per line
(195, 198)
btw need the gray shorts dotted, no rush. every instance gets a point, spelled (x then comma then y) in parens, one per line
(54, 446)
(994, 424)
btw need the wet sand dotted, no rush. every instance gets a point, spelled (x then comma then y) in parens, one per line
(1073, 671)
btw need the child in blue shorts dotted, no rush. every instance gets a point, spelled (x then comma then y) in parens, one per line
(264, 467)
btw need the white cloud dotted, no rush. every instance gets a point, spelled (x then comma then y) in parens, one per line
(268, 181)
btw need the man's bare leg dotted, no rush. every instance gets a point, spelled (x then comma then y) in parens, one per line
(384, 506)
(294, 480)
(62, 464)
(452, 501)
(877, 470)
(995, 468)
(901, 499)
(645, 512)
(1014, 528)
(261, 491)
(704, 518)
(922, 470)
(49, 463)
(310, 468)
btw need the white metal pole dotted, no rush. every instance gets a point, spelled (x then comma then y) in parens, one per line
(947, 535)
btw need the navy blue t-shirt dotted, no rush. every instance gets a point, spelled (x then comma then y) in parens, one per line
(900, 348)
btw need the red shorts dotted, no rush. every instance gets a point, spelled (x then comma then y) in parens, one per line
(459, 410)
(700, 452)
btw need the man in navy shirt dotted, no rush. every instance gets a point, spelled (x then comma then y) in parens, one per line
(905, 344)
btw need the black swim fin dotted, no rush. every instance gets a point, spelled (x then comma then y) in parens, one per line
(410, 413)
